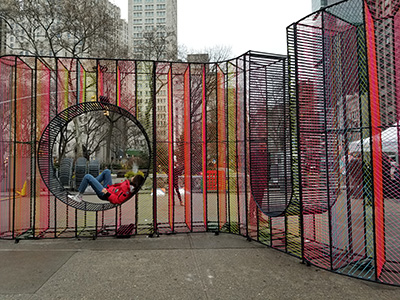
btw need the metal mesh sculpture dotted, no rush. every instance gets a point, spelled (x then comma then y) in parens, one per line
(48, 139)
(299, 153)
(343, 80)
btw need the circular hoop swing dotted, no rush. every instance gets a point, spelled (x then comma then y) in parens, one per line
(47, 141)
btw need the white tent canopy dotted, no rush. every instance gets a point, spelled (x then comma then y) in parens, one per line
(389, 142)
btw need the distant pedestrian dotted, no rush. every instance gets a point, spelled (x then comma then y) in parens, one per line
(178, 171)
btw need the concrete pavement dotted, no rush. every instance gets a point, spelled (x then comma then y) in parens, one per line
(184, 266)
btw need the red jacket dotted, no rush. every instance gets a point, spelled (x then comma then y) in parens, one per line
(119, 192)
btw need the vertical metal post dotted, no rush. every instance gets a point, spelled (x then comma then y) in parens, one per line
(96, 231)
(97, 78)
(119, 221)
(117, 91)
(365, 192)
(301, 216)
(56, 111)
(120, 216)
(76, 221)
(171, 119)
(227, 142)
(102, 220)
(190, 146)
(217, 142)
(77, 80)
(155, 230)
(97, 84)
(286, 111)
(15, 145)
(205, 176)
(116, 221)
(246, 142)
(48, 109)
(137, 117)
(370, 145)
(326, 144)
(237, 142)
(33, 148)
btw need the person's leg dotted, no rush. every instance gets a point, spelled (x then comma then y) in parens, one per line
(93, 182)
(84, 183)
(176, 188)
(82, 188)
(105, 178)
(88, 180)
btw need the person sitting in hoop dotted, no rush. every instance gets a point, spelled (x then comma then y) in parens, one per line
(105, 190)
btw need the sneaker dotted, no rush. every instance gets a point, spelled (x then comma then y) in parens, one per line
(77, 197)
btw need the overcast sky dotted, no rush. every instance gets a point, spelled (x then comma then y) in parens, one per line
(242, 25)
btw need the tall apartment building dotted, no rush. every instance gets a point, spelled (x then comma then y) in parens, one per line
(199, 57)
(121, 35)
(156, 19)
(158, 16)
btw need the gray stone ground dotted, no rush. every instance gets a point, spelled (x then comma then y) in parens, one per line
(186, 266)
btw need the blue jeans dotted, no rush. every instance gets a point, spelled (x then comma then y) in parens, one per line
(98, 183)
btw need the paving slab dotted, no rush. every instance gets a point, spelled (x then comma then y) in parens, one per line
(24, 272)
(183, 266)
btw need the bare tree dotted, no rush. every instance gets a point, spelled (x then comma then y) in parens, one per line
(92, 28)
(71, 28)
(62, 143)
(94, 136)
(219, 53)
(61, 28)
(215, 53)
(26, 23)
(157, 44)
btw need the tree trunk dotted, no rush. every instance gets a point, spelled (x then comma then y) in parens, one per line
(108, 143)
(78, 141)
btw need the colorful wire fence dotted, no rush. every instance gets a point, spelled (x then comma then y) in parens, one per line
(297, 152)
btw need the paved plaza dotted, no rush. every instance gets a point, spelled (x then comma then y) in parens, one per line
(181, 266)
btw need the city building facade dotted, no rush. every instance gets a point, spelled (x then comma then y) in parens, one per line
(153, 36)
(198, 57)
(153, 16)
